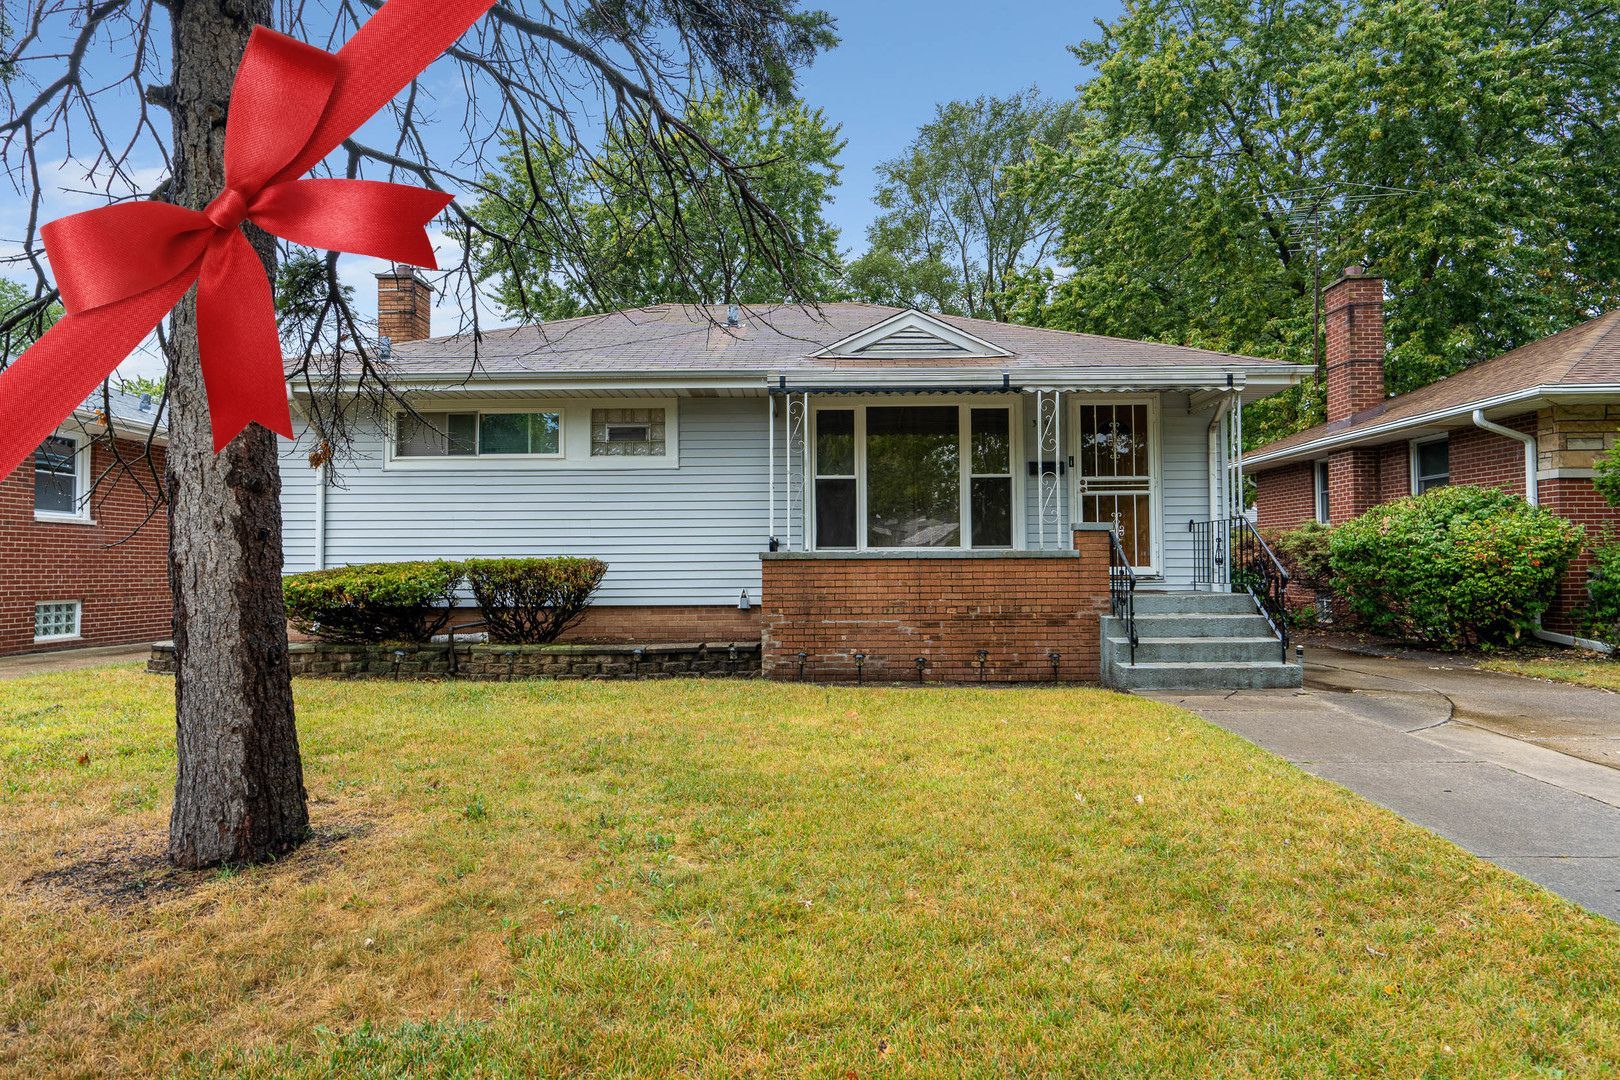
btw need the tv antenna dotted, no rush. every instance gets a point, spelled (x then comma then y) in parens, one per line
(1300, 213)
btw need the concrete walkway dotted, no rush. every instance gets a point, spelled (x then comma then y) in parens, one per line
(1505, 767)
(43, 663)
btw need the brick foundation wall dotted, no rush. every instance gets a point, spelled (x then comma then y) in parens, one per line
(641, 624)
(116, 568)
(494, 663)
(1018, 606)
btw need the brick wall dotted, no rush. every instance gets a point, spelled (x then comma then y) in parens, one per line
(1285, 498)
(643, 624)
(1018, 606)
(1576, 499)
(117, 568)
(1485, 459)
(1354, 481)
(495, 663)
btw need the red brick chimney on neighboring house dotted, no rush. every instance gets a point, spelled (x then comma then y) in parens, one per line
(404, 305)
(1353, 314)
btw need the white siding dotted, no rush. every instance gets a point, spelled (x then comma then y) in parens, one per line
(687, 535)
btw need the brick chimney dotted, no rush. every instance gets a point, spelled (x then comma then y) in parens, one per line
(1353, 314)
(404, 304)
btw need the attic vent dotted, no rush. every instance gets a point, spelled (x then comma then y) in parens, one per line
(912, 341)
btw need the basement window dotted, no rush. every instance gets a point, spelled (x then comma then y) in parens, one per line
(56, 620)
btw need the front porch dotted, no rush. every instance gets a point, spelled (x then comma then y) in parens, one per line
(993, 533)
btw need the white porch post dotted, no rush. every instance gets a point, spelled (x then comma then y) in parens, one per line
(770, 459)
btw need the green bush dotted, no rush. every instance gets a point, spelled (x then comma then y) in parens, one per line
(1601, 618)
(531, 601)
(373, 602)
(1607, 477)
(1455, 567)
(1304, 554)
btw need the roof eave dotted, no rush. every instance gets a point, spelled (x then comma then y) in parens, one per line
(1375, 431)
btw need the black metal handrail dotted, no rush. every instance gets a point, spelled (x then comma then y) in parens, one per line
(1122, 589)
(1231, 552)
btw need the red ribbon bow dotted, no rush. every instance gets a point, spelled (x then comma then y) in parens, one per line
(121, 268)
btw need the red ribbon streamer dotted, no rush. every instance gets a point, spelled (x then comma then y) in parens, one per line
(121, 268)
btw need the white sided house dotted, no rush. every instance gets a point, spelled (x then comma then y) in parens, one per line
(877, 492)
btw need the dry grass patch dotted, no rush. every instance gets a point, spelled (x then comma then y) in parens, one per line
(1588, 671)
(718, 878)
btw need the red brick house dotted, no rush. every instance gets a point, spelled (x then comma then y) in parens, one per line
(1532, 421)
(83, 555)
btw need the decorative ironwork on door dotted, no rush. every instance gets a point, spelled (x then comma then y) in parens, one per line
(1114, 468)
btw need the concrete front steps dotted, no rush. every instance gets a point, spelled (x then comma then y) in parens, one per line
(1196, 641)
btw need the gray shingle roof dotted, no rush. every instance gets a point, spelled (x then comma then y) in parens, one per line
(1584, 355)
(674, 338)
(131, 413)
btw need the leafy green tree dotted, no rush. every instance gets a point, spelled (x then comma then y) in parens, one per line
(303, 289)
(619, 212)
(953, 233)
(1485, 127)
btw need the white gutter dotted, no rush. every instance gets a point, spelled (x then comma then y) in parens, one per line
(1355, 435)
(1531, 463)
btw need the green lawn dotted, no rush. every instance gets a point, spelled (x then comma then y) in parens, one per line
(1601, 673)
(722, 878)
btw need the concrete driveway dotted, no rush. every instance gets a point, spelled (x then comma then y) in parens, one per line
(1521, 772)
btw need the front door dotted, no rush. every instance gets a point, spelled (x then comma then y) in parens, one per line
(1114, 473)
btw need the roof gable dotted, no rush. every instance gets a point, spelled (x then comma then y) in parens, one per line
(911, 334)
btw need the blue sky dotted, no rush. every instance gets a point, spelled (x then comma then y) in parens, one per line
(898, 60)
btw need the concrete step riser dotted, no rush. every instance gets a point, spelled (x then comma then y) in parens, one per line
(1188, 626)
(1193, 677)
(1202, 650)
(1149, 603)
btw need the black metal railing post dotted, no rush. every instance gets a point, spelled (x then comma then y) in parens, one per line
(1122, 589)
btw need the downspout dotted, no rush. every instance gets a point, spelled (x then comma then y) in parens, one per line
(1530, 462)
(320, 517)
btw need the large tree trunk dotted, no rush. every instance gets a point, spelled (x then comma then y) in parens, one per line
(239, 796)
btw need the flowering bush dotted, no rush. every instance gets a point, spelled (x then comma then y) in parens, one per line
(372, 602)
(1454, 567)
(531, 601)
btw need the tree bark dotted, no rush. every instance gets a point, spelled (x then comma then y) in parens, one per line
(239, 794)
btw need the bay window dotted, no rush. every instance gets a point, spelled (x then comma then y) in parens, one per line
(913, 476)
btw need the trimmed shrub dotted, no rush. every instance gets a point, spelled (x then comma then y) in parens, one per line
(373, 602)
(1601, 618)
(1454, 567)
(1305, 555)
(531, 601)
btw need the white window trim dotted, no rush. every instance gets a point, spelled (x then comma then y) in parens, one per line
(1319, 487)
(963, 403)
(1412, 458)
(1155, 479)
(78, 621)
(574, 438)
(81, 484)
